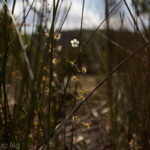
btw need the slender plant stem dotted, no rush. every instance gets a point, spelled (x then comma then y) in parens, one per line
(4, 73)
(51, 68)
(13, 7)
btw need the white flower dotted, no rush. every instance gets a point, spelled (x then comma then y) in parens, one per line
(75, 43)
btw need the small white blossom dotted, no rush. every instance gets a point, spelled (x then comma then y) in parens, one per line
(74, 43)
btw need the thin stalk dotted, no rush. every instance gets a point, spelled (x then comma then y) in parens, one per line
(65, 18)
(109, 81)
(24, 11)
(4, 74)
(51, 68)
(13, 7)
(61, 102)
(80, 39)
(33, 24)
(50, 39)
(81, 28)
(25, 17)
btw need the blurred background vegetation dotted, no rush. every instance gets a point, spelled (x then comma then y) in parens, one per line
(43, 79)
